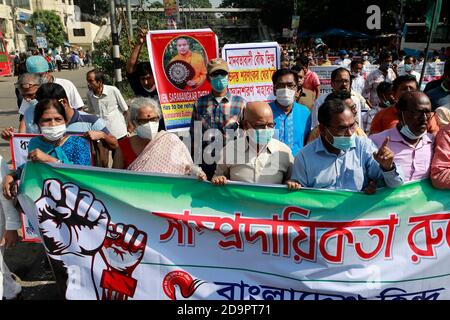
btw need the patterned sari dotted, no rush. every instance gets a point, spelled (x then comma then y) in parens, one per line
(166, 154)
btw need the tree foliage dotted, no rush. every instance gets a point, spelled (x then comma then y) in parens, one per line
(320, 15)
(54, 28)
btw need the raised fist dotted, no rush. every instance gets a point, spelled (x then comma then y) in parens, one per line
(124, 247)
(71, 220)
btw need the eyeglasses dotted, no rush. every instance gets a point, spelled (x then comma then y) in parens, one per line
(147, 120)
(417, 114)
(342, 131)
(269, 125)
(289, 85)
(25, 85)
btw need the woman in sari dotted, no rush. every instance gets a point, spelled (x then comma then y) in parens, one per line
(150, 150)
(54, 145)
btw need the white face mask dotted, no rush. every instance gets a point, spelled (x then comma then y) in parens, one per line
(150, 90)
(285, 97)
(54, 133)
(148, 130)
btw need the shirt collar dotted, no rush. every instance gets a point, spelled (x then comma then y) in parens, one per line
(227, 96)
(397, 137)
(75, 117)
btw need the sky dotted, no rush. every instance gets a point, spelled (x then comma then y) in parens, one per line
(215, 3)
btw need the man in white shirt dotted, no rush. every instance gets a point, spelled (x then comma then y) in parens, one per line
(384, 73)
(38, 64)
(358, 80)
(256, 157)
(107, 103)
(340, 81)
(343, 60)
(409, 68)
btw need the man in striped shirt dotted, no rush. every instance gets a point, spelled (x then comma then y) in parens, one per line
(215, 115)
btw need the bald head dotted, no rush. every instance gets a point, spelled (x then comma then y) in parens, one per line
(414, 110)
(412, 100)
(257, 114)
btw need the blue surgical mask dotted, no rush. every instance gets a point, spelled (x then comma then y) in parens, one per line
(408, 68)
(262, 136)
(408, 133)
(344, 143)
(219, 83)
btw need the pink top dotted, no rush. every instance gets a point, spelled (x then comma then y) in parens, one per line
(440, 167)
(414, 161)
(311, 81)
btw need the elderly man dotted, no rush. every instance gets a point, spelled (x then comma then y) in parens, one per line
(27, 84)
(215, 113)
(389, 117)
(409, 140)
(260, 158)
(341, 81)
(292, 120)
(358, 80)
(38, 64)
(340, 160)
(194, 59)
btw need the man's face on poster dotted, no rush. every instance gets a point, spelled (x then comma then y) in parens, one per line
(182, 46)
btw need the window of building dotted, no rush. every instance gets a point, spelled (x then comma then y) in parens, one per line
(79, 32)
(24, 4)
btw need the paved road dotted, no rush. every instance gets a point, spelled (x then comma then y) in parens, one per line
(8, 103)
(27, 261)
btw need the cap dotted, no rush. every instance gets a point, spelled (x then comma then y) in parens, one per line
(217, 64)
(343, 52)
(37, 64)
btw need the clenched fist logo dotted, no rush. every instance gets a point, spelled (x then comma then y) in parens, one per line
(71, 220)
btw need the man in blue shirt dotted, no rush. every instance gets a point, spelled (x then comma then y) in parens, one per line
(340, 160)
(292, 120)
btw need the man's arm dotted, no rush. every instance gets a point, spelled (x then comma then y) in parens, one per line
(132, 61)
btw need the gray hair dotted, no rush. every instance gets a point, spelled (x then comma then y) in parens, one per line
(29, 78)
(141, 102)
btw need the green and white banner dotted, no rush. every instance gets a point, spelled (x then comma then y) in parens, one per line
(114, 234)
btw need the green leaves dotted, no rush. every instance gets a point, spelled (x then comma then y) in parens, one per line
(53, 27)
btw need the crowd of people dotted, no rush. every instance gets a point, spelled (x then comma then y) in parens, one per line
(57, 59)
(369, 132)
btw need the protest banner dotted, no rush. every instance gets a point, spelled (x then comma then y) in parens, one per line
(126, 235)
(178, 59)
(251, 67)
(19, 156)
(433, 71)
(324, 74)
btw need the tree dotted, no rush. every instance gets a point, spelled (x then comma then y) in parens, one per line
(195, 4)
(53, 27)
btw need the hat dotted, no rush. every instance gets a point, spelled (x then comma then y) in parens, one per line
(343, 52)
(217, 64)
(37, 64)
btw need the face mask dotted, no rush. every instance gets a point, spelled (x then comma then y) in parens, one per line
(344, 143)
(148, 130)
(54, 133)
(219, 83)
(387, 103)
(262, 136)
(408, 68)
(365, 57)
(285, 97)
(408, 133)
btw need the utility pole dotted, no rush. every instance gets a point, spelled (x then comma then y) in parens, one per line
(130, 22)
(115, 42)
(13, 10)
(428, 43)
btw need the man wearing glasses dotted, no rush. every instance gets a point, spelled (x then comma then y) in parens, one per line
(342, 161)
(409, 139)
(256, 157)
(293, 120)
